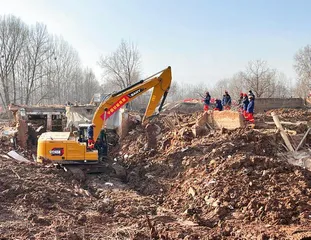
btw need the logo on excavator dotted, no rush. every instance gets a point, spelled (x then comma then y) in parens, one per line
(57, 152)
(134, 93)
(119, 103)
(115, 107)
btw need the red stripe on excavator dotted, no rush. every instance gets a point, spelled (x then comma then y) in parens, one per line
(115, 107)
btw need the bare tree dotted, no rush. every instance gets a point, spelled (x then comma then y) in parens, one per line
(174, 91)
(302, 66)
(36, 67)
(300, 89)
(108, 87)
(220, 88)
(236, 85)
(180, 91)
(260, 78)
(34, 56)
(283, 88)
(13, 34)
(122, 67)
(90, 85)
(65, 65)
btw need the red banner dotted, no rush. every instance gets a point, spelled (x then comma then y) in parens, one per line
(123, 100)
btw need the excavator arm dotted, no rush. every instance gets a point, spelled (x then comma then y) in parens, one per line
(60, 147)
(160, 85)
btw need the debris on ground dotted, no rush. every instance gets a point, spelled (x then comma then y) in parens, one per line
(195, 182)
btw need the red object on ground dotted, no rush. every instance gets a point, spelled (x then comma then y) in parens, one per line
(189, 99)
(205, 107)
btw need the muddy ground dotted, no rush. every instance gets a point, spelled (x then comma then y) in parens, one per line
(222, 185)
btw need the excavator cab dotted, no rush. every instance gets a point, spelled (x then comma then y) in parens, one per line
(101, 144)
(82, 130)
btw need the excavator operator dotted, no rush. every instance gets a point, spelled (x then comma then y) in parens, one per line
(102, 144)
(90, 136)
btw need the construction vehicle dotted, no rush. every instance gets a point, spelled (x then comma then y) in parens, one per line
(63, 148)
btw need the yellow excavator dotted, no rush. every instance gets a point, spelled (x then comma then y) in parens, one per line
(63, 148)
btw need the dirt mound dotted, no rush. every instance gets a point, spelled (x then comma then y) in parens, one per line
(291, 114)
(220, 179)
(244, 188)
(47, 203)
(224, 184)
(183, 107)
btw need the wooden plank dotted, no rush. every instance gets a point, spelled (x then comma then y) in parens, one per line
(169, 123)
(176, 117)
(289, 123)
(291, 132)
(282, 132)
(303, 139)
(17, 157)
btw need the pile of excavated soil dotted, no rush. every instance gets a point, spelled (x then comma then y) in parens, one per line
(183, 107)
(247, 188)
(291, 114)
(7, 135)
(291, 119)
(226, 178)
(47, 203)
(222, 185)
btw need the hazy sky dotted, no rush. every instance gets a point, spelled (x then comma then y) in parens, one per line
(203, 40)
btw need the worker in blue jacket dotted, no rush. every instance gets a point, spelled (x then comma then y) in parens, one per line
(250, 110)
(245, 103)
(226, 101)
(207, 101)
(218, 105)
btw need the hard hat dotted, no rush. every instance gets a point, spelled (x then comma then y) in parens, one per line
(245, 95)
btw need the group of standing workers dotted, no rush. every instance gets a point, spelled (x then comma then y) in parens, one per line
(246, 104)
(225, 103)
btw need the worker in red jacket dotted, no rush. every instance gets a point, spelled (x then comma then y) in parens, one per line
(90, 134)
(226, 101)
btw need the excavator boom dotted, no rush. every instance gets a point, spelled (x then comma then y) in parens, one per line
(160, 85)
